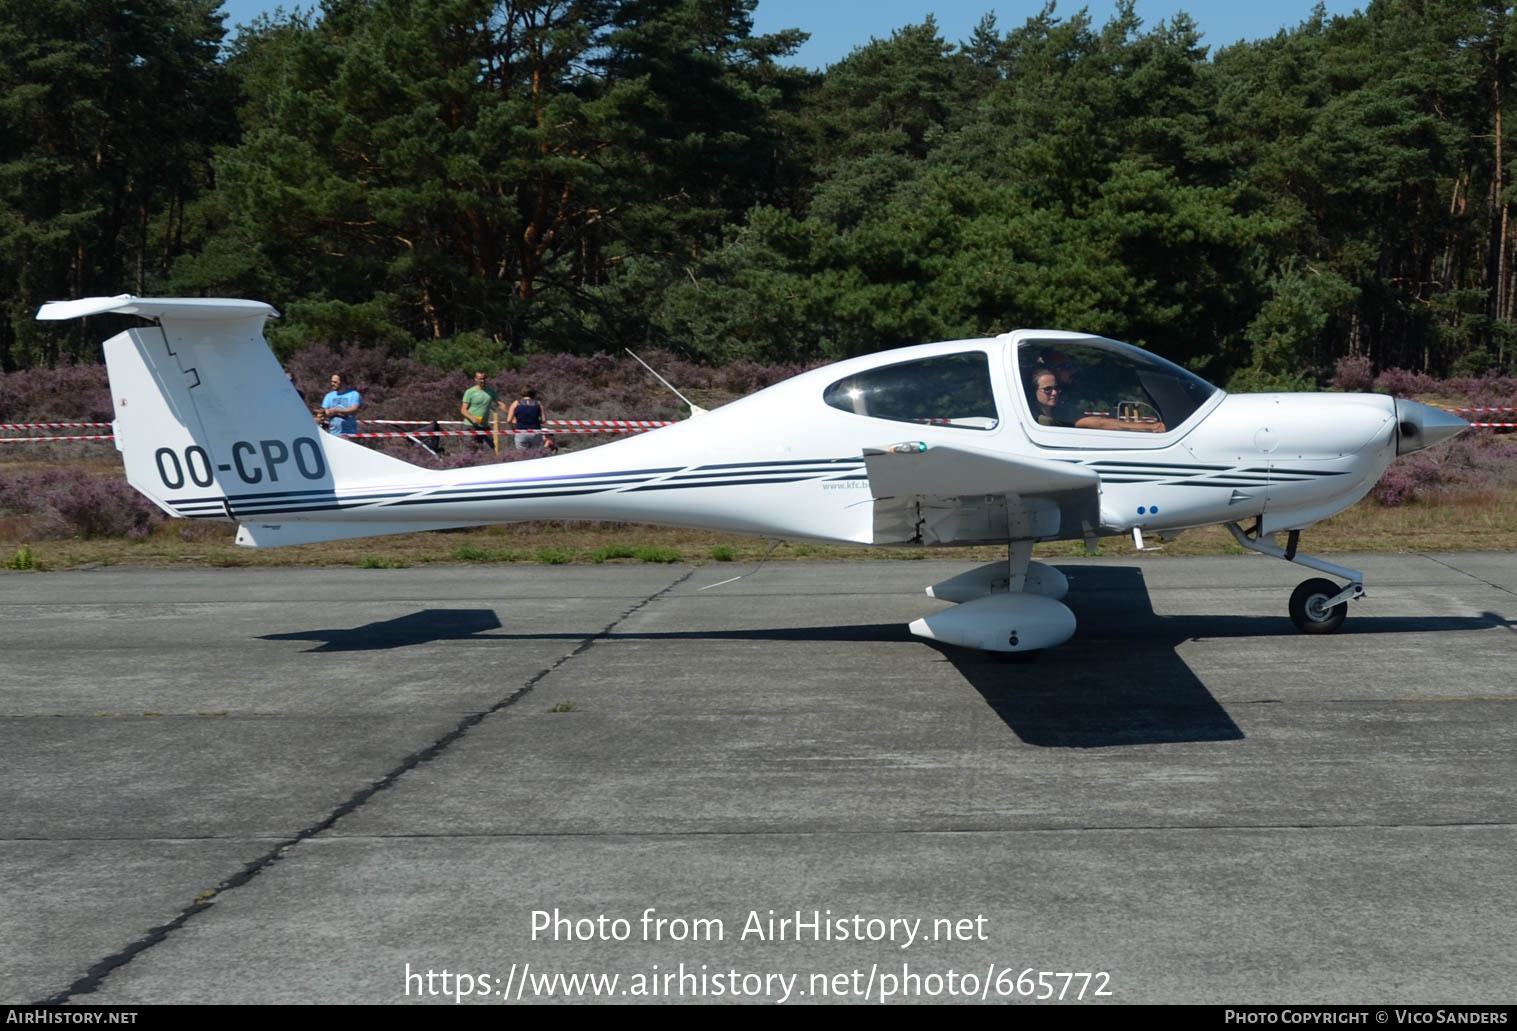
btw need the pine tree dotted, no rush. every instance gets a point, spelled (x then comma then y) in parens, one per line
(107, 118)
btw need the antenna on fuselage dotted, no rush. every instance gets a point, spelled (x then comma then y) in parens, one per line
(695, 409)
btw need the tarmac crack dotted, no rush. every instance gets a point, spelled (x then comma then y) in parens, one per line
(1472, 576)
(95, 976)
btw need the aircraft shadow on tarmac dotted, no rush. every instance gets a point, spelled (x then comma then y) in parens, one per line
(422, 627)
(1121, 680)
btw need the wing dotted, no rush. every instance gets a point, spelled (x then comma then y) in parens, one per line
(956, 495)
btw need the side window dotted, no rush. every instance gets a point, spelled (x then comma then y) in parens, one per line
(950, 390)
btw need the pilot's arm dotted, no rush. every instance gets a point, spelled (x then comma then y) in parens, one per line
(1106, 422)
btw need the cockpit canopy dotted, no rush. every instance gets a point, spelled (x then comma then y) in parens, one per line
(1101, 384)
(1090, 384)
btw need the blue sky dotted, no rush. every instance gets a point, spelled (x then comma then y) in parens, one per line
(837, 26)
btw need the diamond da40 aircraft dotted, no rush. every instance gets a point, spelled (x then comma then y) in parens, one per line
(1028, 436)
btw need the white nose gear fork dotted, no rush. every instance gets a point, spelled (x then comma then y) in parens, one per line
(1317, 606)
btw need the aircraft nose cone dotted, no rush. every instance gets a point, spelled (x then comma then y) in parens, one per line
(1421, 426)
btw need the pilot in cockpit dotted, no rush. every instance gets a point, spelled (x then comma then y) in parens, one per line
(1059, 364)
(1048, 404)
(1050, 393)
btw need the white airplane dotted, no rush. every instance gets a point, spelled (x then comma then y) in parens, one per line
(966, 442)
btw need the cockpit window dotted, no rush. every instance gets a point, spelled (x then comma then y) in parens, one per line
(1106, 386)
(949, 390)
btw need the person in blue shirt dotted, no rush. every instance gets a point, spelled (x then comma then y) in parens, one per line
(340, 406)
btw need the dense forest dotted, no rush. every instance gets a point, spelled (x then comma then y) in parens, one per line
(468, 181)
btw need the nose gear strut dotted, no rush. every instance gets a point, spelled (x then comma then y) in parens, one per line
(1317, 606)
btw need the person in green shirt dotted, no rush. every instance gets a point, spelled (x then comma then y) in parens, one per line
(478, 400)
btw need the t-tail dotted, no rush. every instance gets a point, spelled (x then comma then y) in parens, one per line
(185, 392)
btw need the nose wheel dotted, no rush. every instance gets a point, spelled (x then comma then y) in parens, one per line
(1312, 610)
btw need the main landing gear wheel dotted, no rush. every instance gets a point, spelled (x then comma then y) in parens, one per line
(1309, 609)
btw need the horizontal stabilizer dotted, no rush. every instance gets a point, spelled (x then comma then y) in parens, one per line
(190, 308)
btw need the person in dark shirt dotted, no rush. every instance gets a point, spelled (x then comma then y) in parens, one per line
(525, 417)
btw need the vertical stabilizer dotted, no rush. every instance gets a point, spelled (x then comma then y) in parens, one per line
(206, 420)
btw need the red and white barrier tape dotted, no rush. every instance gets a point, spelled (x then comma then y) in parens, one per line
(635, 423)
(420, 433)
(545, 432)
(638, 423)
(550, 427)
(416, 422)
(547, 423)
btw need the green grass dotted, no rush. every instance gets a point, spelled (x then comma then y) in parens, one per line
(374, 562)
(723, 553)
(471, 553)
(656, 554)
(612, 551)
(23, 559)
(563, 707)
(554, 556)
